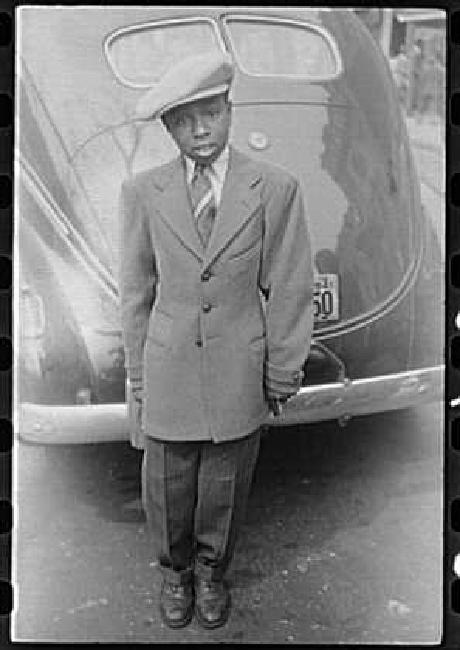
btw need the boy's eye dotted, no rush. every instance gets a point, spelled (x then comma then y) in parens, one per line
(178, 120)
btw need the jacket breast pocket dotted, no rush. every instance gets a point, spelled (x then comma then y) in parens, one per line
(246, 250)
(248, 241)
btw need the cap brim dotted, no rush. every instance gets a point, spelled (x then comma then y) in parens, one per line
(203, 94)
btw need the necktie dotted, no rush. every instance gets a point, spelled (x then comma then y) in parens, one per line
(203, 201)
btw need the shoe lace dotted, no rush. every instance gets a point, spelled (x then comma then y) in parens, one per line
(176, 591)
(210, 590)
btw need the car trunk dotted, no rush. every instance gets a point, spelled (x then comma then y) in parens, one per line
(360, 221)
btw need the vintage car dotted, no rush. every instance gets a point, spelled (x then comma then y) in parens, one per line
(313, 93)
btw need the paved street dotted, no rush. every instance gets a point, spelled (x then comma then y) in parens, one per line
(428, 146)
(342, 541)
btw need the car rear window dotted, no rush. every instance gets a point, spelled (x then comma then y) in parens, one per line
(141, 54)
(283, 48)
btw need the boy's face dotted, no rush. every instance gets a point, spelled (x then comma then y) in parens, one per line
(201, 128)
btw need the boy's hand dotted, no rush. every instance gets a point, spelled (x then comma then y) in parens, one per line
(135, 395)
(275, 404)
(136, 386)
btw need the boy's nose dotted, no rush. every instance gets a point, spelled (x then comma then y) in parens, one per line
(200, 127)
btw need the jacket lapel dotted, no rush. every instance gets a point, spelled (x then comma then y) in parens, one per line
(174, 207)
(240, 199)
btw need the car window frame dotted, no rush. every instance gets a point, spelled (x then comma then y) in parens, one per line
(304, 24)
(164, 22)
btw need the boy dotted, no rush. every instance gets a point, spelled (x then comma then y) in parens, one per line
(205, 239)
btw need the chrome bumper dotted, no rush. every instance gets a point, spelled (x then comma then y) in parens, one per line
(110, 423)
(346, 399)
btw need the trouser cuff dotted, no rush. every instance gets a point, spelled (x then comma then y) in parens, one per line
(182, 577)
(206, 572)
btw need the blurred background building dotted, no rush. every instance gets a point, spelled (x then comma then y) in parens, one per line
(414, 42)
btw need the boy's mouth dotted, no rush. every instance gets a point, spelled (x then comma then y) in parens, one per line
(204, 149)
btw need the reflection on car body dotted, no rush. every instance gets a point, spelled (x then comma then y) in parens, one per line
(312, 93)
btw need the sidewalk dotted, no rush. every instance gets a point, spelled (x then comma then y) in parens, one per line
(427, 132)
(427, 138)
(428, 145)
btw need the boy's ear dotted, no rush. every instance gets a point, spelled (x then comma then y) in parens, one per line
(228, 99)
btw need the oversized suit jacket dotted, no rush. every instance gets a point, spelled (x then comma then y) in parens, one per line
(213, 332)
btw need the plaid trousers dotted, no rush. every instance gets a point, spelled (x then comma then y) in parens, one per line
(195, 500)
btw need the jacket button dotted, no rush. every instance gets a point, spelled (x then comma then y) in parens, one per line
(206, 307)
(199, 343)
(205, 276)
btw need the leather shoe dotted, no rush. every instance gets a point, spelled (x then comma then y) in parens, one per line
(212, 603)
(176, 604)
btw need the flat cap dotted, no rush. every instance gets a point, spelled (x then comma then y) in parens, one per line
(193, 78)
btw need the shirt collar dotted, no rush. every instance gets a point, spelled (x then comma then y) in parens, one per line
(218, 167)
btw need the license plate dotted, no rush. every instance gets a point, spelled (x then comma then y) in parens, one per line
(326, 297)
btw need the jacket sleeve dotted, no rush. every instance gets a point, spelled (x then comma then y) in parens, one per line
(286, 279)
(137, 279)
